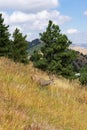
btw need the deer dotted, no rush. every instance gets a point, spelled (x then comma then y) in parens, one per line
(43, 82)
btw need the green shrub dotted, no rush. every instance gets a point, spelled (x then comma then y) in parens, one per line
(83, 78)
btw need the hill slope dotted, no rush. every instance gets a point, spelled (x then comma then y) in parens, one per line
(80, 49)
(24, 105)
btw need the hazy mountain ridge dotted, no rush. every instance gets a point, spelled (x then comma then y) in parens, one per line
(82, 45)
(34, 42)
(80, 49)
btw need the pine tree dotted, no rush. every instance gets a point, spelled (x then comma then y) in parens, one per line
(56, 55)
(19, 47)
(4, 38)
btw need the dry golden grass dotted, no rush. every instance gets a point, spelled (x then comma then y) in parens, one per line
(26, 106)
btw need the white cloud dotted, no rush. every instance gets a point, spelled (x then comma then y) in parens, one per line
(35, 18)
(31, 16)
(20, 17)
(33, 22)
(76, 36)
(85, 13)
(28, 5)
(72, 31)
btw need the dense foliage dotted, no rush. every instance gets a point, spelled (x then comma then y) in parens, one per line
(4, 38)
(19, 47)
(15, 49)
(83, 77)
(55, 55)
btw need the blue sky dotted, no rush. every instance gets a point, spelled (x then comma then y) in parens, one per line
(32, 16)
(77, 10)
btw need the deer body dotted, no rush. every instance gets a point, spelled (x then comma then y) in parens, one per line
(41, 81)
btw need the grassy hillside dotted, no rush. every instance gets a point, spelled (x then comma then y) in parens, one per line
(24, 105)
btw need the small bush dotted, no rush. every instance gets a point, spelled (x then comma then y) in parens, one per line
(83, 78)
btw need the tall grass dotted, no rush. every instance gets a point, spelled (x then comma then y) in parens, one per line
(26, 106)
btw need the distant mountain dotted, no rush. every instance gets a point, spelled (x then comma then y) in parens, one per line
(35, 44)
(83, 45)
